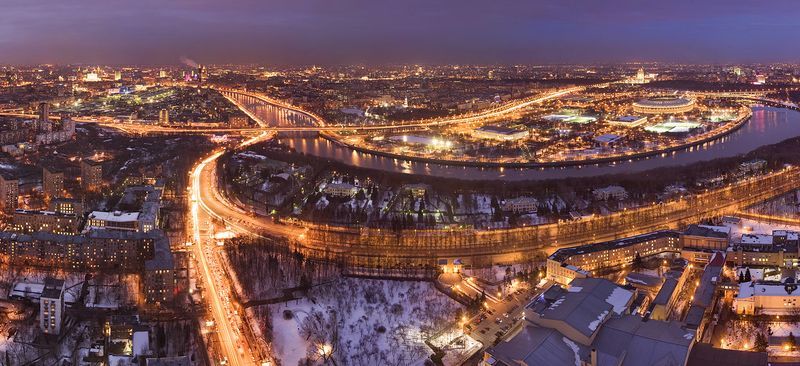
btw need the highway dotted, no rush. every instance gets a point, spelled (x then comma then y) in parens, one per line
(207, 204)
(320, 125)
(491, 113)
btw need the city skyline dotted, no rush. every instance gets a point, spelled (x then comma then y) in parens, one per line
(450, 183)
(149, 32)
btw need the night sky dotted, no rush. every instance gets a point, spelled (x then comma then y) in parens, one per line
(378, 31)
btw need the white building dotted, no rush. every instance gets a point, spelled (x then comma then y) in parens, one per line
(767, 298)
(628, 121)
(51, 306)
(340, 189)
(520, 205)
(615, 192)
(116, 220)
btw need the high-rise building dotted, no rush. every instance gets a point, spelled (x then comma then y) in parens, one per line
(91, 174)
(9, 193)
(117, 75)
(44, 111)
(201, 73)
(51, 306)
(163, 116)
(162, 73)
(159, 274)
(640, 74)
(52, 181)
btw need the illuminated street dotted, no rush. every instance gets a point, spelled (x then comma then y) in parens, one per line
(448, 183)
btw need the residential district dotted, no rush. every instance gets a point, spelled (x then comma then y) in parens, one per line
(634, 214)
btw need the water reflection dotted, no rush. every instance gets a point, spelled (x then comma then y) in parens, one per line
(767, 126)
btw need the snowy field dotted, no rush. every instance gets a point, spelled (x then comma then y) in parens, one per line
(361, 322)
(758, 227)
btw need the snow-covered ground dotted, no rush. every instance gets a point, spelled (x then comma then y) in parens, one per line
(757, 227)
(366, 322)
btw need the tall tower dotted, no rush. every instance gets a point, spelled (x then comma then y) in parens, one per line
(44, 111)
(640, 75)
(117, 75)
(163, 116)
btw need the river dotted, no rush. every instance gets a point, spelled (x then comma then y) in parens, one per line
(767, 126)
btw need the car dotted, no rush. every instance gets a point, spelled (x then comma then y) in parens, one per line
(499, 333)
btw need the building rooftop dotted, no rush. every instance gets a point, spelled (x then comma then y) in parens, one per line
(761, 239)
(765, 288)
(586, 304)
(722, 232)
(53, 288)
(704, 354)
(704, 293)
(664, 101)
(627, 340)
(665, 293)
(641, 279)
(628, 119)
(499, 129)
(114, 216)
(162, 257)
(607, 138)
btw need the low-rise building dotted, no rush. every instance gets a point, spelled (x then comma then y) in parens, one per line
(521, 205)
(605, 193)
(767, 297)
(499, 133)
(781, 249)
(752, 166)
(589, 324)
(340, 189)
(610, 254)
(705, 237)
(417, 190)
(628, 121)
(116, 220)
(704, 298)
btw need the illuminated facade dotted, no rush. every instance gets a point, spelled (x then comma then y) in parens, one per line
(582, 260)
(91, 174)
(9, 193)
(51, 306)
(500, 133)
(52, 181)
(664, 105)
(26, 221)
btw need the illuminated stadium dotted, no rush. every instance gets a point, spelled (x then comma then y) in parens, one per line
(663, 105)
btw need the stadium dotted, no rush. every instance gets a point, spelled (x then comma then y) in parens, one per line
(663, 105)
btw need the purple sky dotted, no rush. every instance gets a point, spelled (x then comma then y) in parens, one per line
(431, 31)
